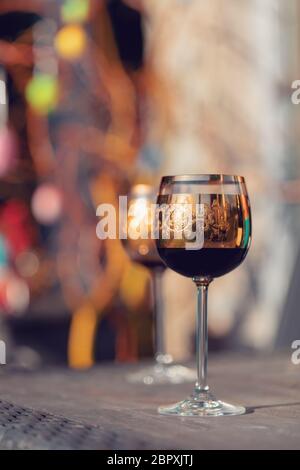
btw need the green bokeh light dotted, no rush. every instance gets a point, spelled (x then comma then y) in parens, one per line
(75, 10)
(42, 93)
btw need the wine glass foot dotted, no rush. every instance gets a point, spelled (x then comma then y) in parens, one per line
(202, 406)
(163, 374)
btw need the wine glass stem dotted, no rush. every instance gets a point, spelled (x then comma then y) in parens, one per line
(159, 327)
(201, 335)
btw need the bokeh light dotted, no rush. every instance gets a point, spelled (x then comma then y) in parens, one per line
(17, 295)
(73, 11)
(27, 263)
(42, 93)
(133, 285)
(70, 42)
(16, 227)
(46, 204)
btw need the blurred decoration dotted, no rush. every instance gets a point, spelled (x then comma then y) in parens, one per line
(47, 204)
(14, 293)
(75, 11)
(16, 226)
(17, 295)
(8, 150)
(42, 93)
(27, 264)
(133, 287)
(70, 42)
(8, 138)
(79, 138)
(82, 336)
(3, 252)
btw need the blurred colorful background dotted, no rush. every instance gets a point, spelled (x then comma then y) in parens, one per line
(96, 96)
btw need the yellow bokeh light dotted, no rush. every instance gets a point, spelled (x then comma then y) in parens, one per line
(70, 42)
(133, 285)
(82, 334)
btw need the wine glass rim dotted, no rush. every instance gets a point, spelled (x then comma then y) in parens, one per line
(203, 177)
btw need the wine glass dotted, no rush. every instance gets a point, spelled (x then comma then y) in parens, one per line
(204, 231)
(141, 248)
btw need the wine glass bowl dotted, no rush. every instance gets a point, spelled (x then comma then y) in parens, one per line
(226, 224)
(139, 244)
(204, 232)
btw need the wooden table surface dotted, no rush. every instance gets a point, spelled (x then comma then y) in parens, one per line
(107, 412)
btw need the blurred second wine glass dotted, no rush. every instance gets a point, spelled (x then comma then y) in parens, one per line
(141, 247)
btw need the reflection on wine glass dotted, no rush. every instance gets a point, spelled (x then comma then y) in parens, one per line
(141, 248)
(213, 243)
